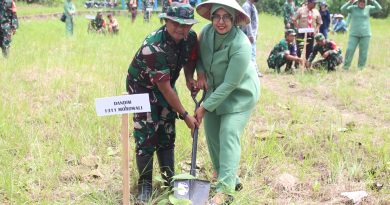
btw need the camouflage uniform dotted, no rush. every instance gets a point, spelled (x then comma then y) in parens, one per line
(147, 5)
(98, 25)
(288, 13)
(158, 59)
(333, 60)
(165, 5)
(276, 58)
(8, 24)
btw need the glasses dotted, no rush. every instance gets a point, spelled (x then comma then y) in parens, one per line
(225, 18)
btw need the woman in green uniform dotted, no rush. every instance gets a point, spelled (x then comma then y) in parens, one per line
(233, 89)
(360, 31)
(69, 10)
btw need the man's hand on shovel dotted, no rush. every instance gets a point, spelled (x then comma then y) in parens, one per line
(191, 122)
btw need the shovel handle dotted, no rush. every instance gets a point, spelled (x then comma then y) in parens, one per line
(194, 151)
(197, 103)
(195, 135)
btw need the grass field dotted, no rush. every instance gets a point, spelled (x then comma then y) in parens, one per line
(311, 137)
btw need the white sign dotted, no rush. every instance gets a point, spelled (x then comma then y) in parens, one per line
(122, 104)
(183, 188)
(306, 30)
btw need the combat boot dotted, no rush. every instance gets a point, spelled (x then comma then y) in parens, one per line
(167, 165)
(145, 171)
(5, 51)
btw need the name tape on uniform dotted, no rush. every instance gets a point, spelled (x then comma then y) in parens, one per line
(122, 104)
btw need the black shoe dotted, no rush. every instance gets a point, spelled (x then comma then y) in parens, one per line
(5, 51)
(166, 160)
(221, 199)
(239, 187)
(145, 171)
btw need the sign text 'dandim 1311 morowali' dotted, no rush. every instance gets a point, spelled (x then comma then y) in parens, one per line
(122, 104)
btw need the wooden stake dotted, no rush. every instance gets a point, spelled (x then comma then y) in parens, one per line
(304, 53)
(125, 159)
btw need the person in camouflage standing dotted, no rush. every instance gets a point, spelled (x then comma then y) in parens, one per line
(288, 13)
(165, 4)
(330, 52)
(285, 52)
(70, 11)
(8, 24)
(154, 70)
(147, 6)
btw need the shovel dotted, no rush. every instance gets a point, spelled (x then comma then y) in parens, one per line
(195, 190)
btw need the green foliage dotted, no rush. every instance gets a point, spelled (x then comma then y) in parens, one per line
(183, 176)
(385, 9)
(173, 200)
(44, 2)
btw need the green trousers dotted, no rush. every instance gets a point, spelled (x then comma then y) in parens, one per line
(353, 42)
(223, 139)
(69, 26)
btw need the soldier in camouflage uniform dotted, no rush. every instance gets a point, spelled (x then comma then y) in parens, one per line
(285, 52)
(154, 70)
(288, 13)
(165, 4)
(98, 24)
(330, 52)
(8, 24)
(147, 6)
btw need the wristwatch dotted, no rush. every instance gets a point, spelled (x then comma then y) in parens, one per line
(183, 115)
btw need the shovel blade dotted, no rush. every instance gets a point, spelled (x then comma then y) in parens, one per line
(197, 191)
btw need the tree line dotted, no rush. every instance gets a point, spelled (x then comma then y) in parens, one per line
(274, 7)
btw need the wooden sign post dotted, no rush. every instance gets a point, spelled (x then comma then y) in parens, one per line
(303, 53)
(123, 105)
(125, 158)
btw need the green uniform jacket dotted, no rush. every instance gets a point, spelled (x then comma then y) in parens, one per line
(68, 8)
(360, 18)
(231, 76)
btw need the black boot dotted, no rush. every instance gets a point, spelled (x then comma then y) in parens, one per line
(5, 51)
(145, 171)
(167, 165)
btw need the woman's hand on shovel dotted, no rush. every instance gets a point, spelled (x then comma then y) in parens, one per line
(199, 114)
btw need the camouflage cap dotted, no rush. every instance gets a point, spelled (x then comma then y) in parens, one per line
(290, 32)
(319, 37)
(180, 13)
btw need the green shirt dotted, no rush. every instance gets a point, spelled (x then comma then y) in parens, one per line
(233, 85)
(360, 18)
(69, 8)
(288, 12)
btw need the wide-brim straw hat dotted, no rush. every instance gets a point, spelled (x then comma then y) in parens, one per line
(338, 16)
(241, 18)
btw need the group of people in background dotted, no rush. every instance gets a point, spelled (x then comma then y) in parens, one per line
(315, 26)
(99, 25)
(148, 5)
